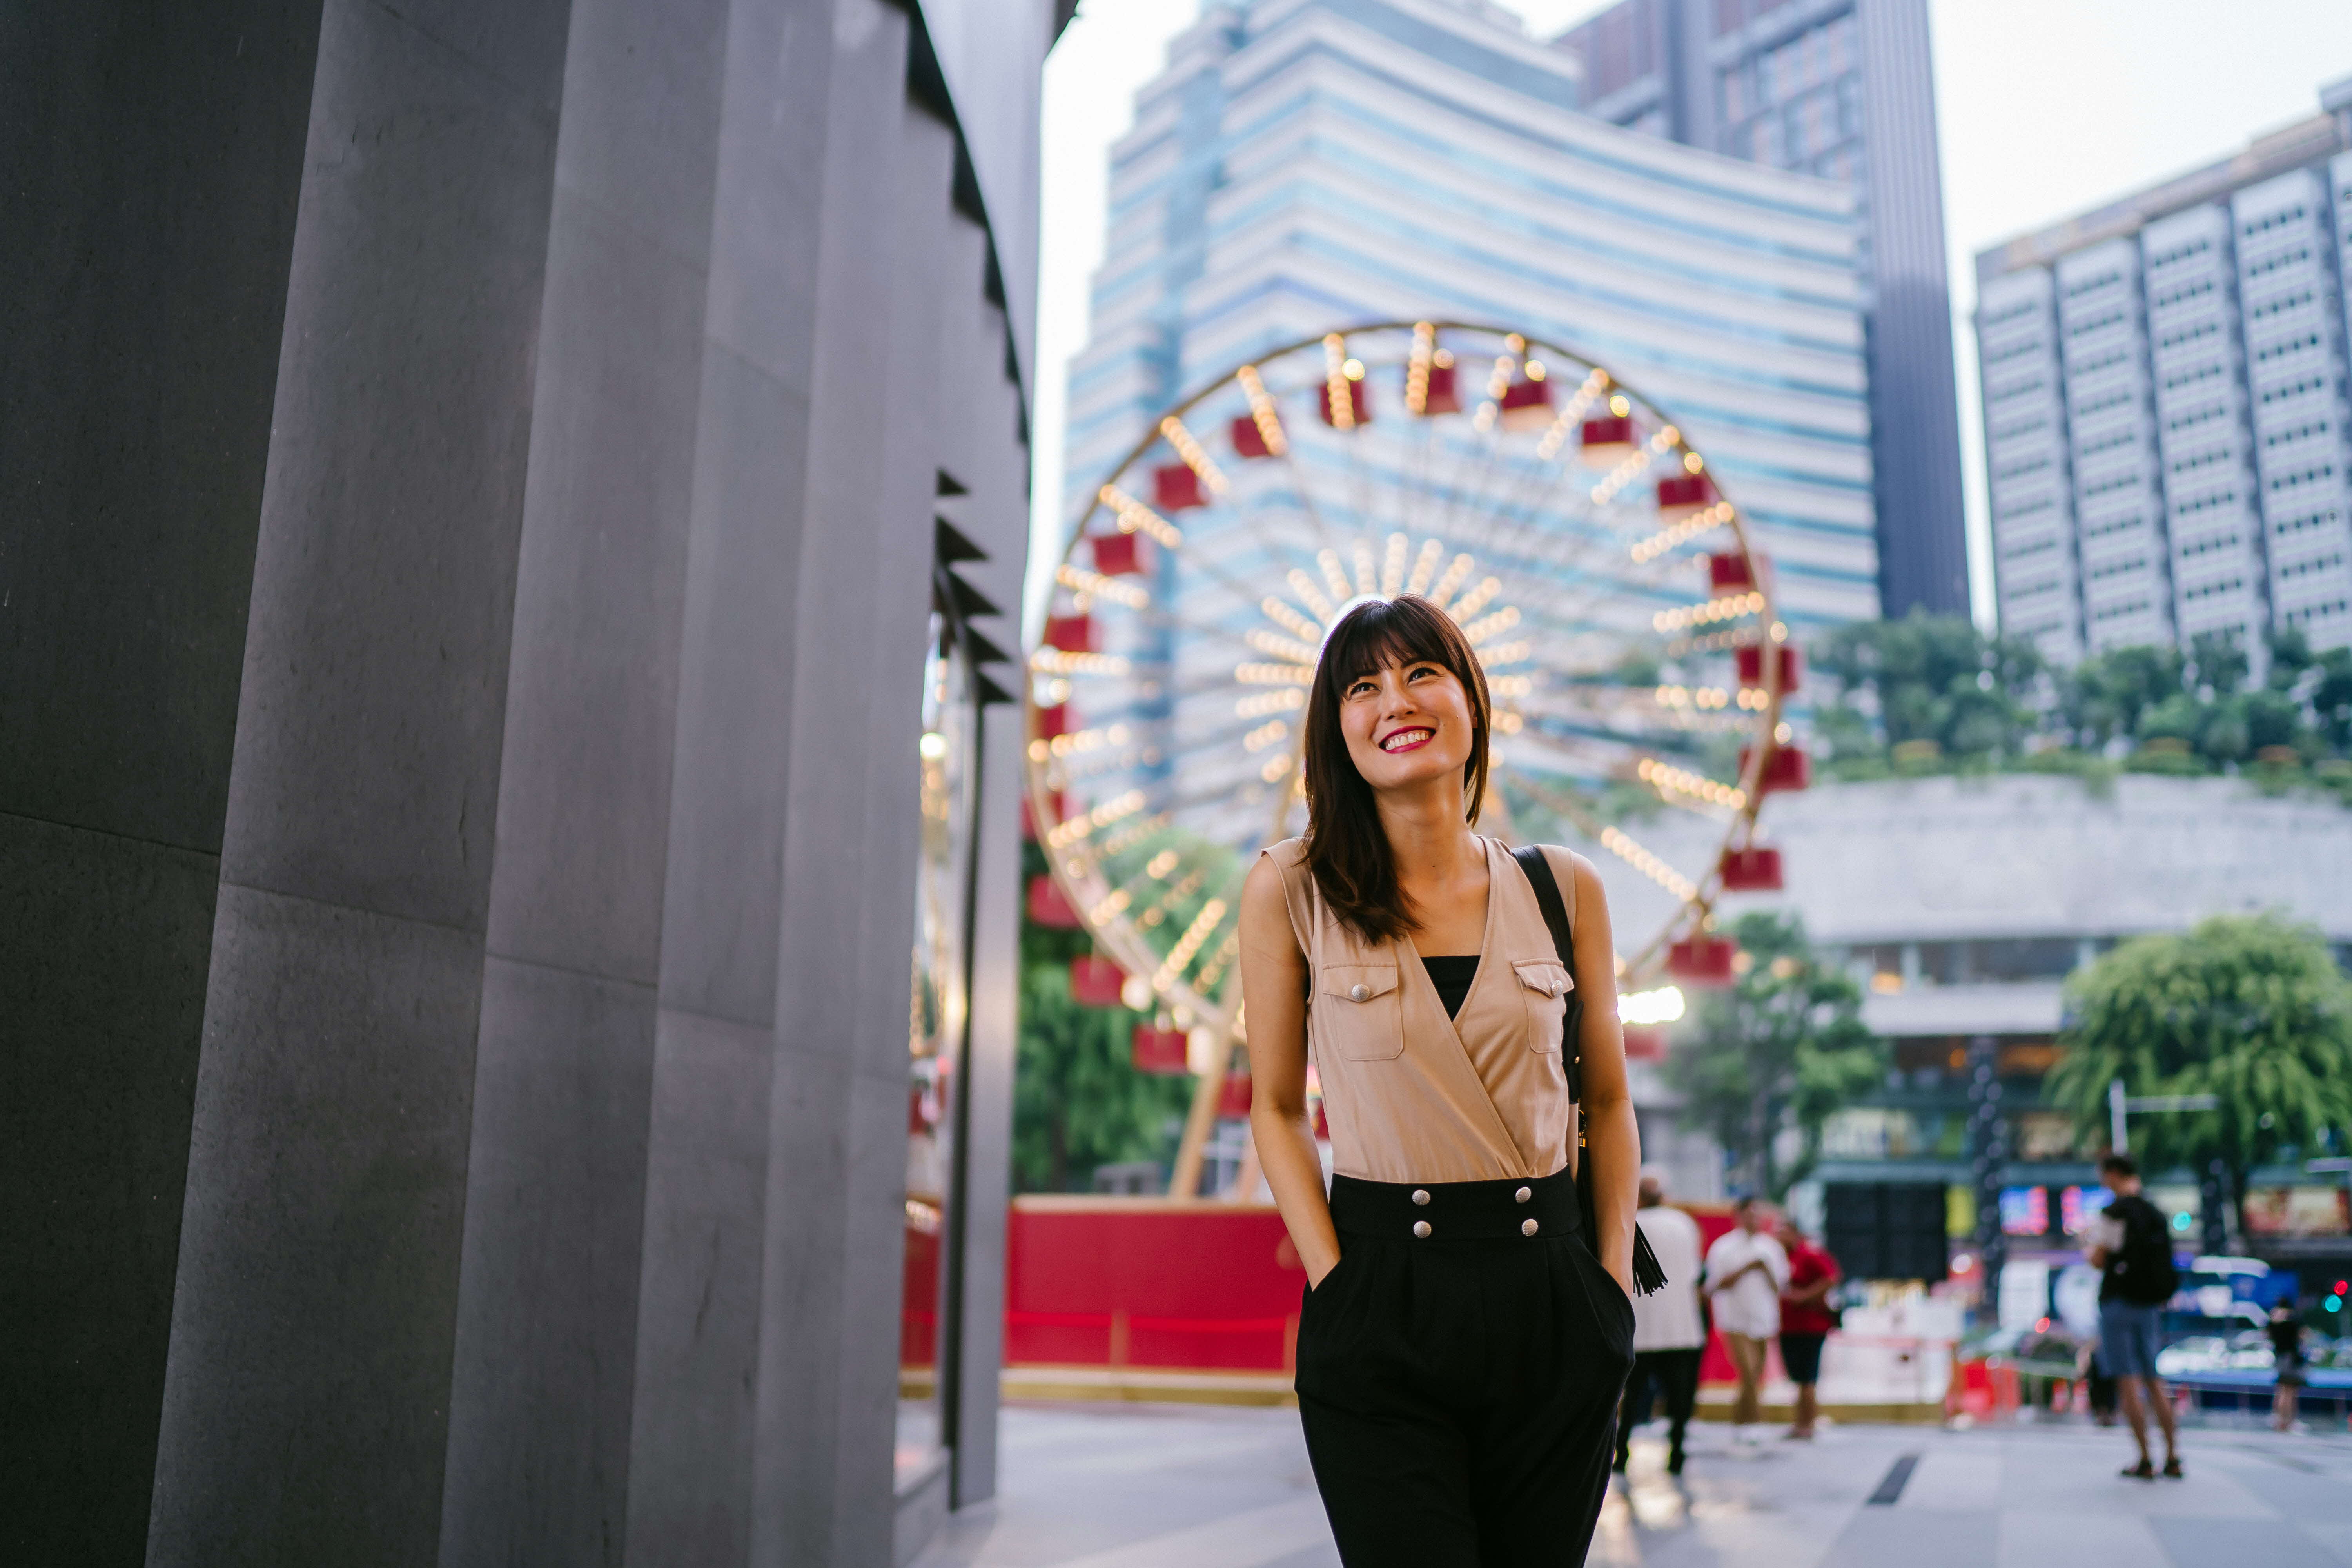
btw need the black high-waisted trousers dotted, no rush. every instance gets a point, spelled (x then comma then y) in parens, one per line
(1458, 1387)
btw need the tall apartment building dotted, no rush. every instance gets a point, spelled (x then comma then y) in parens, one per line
(2165, 405)
(1302, 164)
(1844, 89)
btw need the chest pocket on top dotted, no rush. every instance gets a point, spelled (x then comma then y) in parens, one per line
(1544, 983)
(1365, 1012)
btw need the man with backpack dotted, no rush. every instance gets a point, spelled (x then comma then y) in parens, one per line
(2131, 1246)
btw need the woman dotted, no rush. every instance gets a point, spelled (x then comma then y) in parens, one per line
(1807, 1320)
(1461, 1347)
(2285, 1331)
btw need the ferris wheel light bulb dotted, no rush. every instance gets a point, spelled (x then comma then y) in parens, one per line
(1200, 1049)
(1664, 1005)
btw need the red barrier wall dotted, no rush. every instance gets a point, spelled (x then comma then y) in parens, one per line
(1201, 1285)
(1154, 1282)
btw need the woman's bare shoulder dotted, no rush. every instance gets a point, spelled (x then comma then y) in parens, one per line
(1275, 866)
(1567, 863)
(1266, 919)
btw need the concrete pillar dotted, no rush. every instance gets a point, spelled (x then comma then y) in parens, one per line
(150, 165)
(307, 1393)
(536, 1466)
(981, 403)
(491, 828)
(833, 1217)
(691, 1477)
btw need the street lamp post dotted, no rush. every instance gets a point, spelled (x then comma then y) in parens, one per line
(2119, 1104)
(1989, 1135)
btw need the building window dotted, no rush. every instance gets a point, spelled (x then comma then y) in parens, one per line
(2025, 958)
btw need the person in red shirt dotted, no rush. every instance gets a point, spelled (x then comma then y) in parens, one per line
(1806, 1320)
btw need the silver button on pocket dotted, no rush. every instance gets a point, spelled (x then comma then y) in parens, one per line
(1420, 1195)
(1359, 992)
(1524, 1193)
(1528, 1228)
(1421, 1228)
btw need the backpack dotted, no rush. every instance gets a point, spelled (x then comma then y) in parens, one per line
(2142, 1269)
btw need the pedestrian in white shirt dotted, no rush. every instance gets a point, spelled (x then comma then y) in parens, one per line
(1669, 1333)
(1745, 1272)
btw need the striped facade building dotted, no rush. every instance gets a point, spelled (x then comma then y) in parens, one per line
(1306, 165)
(2167, 436)
(1845, 89)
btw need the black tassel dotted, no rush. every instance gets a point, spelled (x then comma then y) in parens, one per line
(1648, 1277)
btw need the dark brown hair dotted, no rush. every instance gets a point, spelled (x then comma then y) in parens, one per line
(1346, 848)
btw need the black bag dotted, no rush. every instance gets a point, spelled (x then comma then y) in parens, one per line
(1648, 1277)
(2142, 1266)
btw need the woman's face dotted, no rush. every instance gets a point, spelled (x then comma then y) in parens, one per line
(1406, 724)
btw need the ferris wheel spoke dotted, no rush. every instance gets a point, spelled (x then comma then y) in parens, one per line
(1177, 752)
(1549, 472)
(1616, 840)
(1475, 462)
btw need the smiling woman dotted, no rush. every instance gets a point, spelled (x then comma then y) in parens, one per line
(1461, 1301)
(1398, 696)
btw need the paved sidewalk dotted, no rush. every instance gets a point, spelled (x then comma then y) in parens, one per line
(1190, 1486)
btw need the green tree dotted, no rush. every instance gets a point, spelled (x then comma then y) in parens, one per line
(1785, 1045)
(2291, 655)
(2107, 695)
(2250, 1009)
(2221, 661)
(2331, 699)
(1928, 678)
(1078, 1101)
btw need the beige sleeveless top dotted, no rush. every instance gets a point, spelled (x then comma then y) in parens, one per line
(1410, 1094)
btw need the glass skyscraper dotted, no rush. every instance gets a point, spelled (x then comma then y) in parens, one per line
(2166, 418)
(1842, 89)
(1305, 164)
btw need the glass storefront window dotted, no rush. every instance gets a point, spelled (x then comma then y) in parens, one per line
(935, 1031)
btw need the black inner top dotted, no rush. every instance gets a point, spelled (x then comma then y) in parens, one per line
(1451, 976)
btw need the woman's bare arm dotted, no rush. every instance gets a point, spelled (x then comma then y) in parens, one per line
(1613, 1138)
(1273, 998)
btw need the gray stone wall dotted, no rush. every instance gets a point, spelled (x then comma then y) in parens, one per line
(473, 882)
(149, 169)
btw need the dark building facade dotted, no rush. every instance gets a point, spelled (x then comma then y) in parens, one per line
(1845, 89)
(493, 499)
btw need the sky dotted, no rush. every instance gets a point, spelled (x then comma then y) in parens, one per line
(2046, 107)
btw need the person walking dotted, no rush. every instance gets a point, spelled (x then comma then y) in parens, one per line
(1669, 1334)
(2285, 1332)
(2098, 1384)
(1745, 1272)
(1464, 1336)
(1806, 1319)
(2131, 1246)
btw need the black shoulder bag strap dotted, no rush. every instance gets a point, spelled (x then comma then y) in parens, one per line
(1648, 1277)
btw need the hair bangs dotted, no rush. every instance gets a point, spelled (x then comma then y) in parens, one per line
(1380, 633)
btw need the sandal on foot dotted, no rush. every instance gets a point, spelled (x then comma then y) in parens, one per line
(2143, 1471)
(2172, 1469)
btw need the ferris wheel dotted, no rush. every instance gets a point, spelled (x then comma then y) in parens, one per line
(1614, 593)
